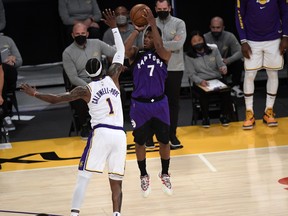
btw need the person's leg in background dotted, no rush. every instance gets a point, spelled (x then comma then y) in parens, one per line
(204, 104)
(172, 90)
(10, 80)
(81, 110)
(235, 70)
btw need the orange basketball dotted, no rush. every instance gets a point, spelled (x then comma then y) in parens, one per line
(136, 15)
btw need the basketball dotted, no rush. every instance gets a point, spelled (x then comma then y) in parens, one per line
(136, 13)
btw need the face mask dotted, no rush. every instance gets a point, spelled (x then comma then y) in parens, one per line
(80, 40)
(216, 34)
(121, 20)
(198, 47)
(163, 14)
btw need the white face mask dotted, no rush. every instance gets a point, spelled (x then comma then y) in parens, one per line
(121, 20)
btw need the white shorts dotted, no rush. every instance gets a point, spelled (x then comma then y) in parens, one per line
(106, 146)
(265, 55)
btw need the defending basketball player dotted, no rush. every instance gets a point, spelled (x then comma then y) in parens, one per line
(103, 98)
(149, 111)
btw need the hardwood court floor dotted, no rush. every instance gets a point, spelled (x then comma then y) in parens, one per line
(220, 172)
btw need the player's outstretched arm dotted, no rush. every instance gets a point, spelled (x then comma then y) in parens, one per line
(80, 92)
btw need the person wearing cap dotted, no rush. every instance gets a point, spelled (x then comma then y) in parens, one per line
(107, 140)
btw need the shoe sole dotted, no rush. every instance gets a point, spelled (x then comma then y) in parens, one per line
(146, 193)
(150, 147)
(225, 125)
(10, 129)
(248, 127)
(271, 124)
(175, 145)
(206, 126)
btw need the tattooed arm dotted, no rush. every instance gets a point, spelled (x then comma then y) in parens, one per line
(80, 92)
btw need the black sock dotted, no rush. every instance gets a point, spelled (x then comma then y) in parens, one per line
(165, 165)
(142, 167)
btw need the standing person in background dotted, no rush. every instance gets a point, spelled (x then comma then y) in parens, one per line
(125, 28)
(263, 30)
(2, 17)
(1, 81)
(11, 61)
(230, 50)
(75, 11)
(75, 57)
(149, 110)
(173, 35)
(107, 142)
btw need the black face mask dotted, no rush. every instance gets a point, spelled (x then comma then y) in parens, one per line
(216, 34)
(163, 14)
(198, 47)
(80, 40)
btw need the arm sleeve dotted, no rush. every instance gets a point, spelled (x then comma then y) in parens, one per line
(239, 19)
(120, 53)
(283, 5)
(15, 52)
(64, 14)
(2, 16)
(177, 45)
(96, 11)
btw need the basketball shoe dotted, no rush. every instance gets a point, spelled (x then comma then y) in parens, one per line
(145, 185)
(166, 184)
(249, 121)
(74, 212)
(268, 118)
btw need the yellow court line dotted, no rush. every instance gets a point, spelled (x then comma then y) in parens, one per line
(195, 140)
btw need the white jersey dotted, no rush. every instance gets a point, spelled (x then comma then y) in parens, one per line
(105, 106)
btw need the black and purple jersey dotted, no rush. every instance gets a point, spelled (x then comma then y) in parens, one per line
(261, 20)
(149, 75)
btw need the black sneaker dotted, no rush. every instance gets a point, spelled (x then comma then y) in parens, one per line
(150, 143)
(224, 121)
(85, 131)
(206, 123)
(174, 142)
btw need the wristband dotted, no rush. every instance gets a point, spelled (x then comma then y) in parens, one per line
(243, 41)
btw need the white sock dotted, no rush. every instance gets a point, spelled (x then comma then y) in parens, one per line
(248, 87)
(116, 214)
(272, 87)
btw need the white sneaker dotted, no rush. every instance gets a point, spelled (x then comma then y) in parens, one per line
(166, 184)
(8, 124)
(145, 185)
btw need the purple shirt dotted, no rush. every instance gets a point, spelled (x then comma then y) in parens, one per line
(261, 20)
(149, 75)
